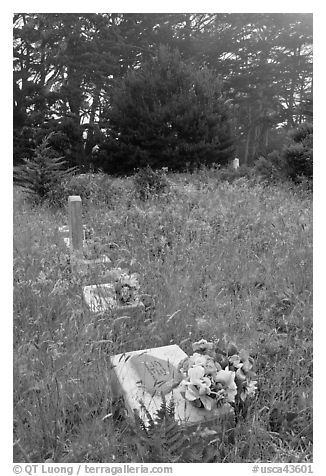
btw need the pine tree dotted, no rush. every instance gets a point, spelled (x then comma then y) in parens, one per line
(167, 114)
(39, 176)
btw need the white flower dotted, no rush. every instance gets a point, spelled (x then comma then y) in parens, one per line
(197, 387)
(197, 359)
(226, 378)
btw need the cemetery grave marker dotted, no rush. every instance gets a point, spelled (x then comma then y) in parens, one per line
(103, 297)
(141, 376)
(75, 236)
(75, 224)
(236, 164)
(100, 297)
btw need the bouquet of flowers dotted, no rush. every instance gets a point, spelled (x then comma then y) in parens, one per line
(212, 377)
(127, 287)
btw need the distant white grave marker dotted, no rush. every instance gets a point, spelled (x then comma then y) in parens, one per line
(140, 377)
(236, 164)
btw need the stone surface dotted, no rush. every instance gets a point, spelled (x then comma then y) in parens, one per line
(236, 164)
(143, 375)
(102, 297)
(75, 223)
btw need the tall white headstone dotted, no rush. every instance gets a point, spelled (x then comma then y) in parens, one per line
(75, 223)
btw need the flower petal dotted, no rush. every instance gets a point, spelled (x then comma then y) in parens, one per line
(204, 389)
(196, 373)
(199, 359)
(191, 393)
(210, 367)
(235, 360)
(231, 392)
(225, 377)
(240, 376)
(208, 402)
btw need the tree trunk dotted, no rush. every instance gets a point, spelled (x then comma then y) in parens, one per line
(246, 154)
(90, 131)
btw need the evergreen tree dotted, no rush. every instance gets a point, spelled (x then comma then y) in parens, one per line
(167, 114)
(42, 174)
(299, 154)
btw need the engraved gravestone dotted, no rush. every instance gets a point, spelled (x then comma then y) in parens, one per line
(155, 374)
(140, 377)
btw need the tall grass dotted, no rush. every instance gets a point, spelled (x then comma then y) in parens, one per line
(235, 261)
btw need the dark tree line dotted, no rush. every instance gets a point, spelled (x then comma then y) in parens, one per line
(70, 71)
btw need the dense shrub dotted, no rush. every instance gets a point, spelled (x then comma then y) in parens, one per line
(272, 168)
(295, 161)
(229, 174)
(92, 188)
(148, 182)
(299, 154)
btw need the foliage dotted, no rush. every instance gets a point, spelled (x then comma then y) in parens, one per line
(94, 189)
(162, 439)
(272, 168)
(66, 63)
(237, 262)
(43, 173)
(148, 182)
(299, 154)
(229, 174)
(294, 161)
(167, 114)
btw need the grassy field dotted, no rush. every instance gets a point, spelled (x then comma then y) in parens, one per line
(232, 261)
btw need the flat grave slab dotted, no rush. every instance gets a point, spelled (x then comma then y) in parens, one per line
(102, 297)
(142, 376)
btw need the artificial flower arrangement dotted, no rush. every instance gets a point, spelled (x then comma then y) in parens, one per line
(212, 377)
(127, 288)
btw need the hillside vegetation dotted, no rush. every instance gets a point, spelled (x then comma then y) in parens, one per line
(228, 261)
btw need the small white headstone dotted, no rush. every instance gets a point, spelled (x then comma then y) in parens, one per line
(236, 164)
(140, 377)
